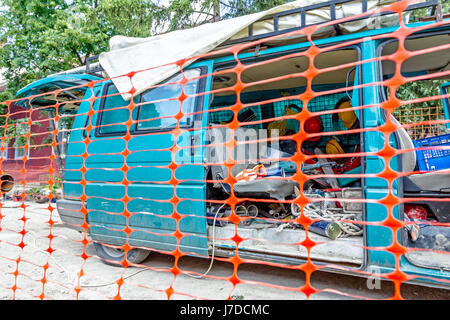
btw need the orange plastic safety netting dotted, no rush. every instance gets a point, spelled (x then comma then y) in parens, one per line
(293, 154)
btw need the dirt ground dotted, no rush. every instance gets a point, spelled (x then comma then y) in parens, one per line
(28, 272)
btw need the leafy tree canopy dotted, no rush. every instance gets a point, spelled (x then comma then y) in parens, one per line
(41, 37)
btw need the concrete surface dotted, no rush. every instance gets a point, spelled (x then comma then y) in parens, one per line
(28, 272)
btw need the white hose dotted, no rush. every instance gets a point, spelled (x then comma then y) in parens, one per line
(213, 246)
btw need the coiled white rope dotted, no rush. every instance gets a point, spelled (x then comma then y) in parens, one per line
(312, 211)
(348, 228)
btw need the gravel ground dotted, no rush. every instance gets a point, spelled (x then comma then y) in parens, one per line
(28, 272)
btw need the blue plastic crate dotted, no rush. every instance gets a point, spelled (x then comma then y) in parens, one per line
(436, 158)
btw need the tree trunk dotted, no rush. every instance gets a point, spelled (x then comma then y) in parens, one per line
(216, 7)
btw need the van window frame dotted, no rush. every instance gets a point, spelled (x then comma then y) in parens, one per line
(198, 105)
(382, 95)
(101, 109)
(261, 56)
(386, 41)
(360, 98)
(382, 90)
(196, 117)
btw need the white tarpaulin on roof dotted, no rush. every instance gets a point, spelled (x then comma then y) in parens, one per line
(156, 55)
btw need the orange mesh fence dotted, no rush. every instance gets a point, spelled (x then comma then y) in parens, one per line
(428, 114)
(291, 153)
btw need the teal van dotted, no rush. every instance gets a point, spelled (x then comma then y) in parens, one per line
(141, 176)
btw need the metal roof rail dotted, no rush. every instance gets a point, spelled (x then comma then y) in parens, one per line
(90, 67)
(94, 68)
(323, 5)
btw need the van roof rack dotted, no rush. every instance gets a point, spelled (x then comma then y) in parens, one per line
(331, 5)
(93, 67)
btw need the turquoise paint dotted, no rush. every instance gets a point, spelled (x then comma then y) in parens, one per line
(77, 146)
(377, 236)
(62, 81)
(445, 89)
(149, 189)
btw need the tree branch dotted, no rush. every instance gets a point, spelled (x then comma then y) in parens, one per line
(206, 13)
(80, 59)
(226, 5)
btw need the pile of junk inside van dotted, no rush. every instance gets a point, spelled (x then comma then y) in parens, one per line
(263, 168)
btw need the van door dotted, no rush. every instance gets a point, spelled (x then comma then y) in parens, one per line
(145, 181)
(71, 95)
(421, 156)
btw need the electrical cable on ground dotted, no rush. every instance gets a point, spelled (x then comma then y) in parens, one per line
(310, 210)
(73, 281)
(213, 246)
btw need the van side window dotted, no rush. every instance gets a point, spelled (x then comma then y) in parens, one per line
(114, 112)
(160, 105)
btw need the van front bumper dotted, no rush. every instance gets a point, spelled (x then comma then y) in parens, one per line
(70, 213)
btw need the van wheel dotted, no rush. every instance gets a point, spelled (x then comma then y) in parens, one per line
(114, 256)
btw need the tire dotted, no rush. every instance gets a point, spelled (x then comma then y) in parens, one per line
(115, 257)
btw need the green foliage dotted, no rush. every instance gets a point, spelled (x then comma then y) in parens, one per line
(417, 14)
(35, 191)
(17, 131)
(423, 111)
(41, 37)
(57, 184)
(243, 7)
(38, 40)
(132, 18)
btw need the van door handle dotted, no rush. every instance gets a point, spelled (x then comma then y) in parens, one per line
(194, 140)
